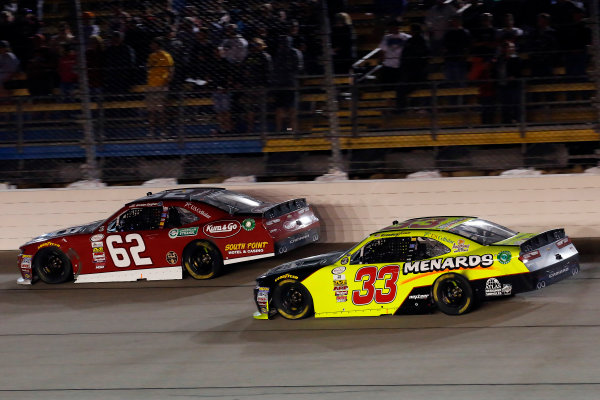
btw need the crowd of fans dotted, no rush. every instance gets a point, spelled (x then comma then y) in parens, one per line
(236, 49)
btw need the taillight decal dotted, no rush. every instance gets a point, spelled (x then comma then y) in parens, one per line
(530, 256)
(563, 242)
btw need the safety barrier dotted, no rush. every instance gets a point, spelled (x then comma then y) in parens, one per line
(348, 209)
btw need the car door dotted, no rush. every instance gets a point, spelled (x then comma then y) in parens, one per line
(133, 239)
(374, 271)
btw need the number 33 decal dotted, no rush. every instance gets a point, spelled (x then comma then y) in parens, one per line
(119, 254)
(389, 274)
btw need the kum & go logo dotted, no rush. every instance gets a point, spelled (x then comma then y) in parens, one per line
(222, 229)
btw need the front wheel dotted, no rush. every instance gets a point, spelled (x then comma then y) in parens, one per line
(292, 299)
(52, 266)
(453, 294)
(202, 260)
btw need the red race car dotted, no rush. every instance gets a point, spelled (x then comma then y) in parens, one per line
(158, 236)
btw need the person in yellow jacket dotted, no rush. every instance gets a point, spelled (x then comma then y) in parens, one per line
(160, 71)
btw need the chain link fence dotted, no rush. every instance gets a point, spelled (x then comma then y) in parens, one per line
(128, 91)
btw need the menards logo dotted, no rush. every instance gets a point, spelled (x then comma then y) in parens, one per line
(441, 264)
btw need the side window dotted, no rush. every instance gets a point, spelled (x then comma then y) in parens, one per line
(138, 219)
(178, 216)
(385, 250)
(428, 248)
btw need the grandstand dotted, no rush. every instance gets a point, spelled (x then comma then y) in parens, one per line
(217, 121)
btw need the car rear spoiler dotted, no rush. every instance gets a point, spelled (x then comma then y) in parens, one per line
(284, 208)
(542, 239)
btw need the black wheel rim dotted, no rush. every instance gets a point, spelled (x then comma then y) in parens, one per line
(202, 261)
(53, 266)
(293, 300)
(452, 294)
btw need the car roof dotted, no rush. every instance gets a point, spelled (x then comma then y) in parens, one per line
(441, 223)
(185, 194)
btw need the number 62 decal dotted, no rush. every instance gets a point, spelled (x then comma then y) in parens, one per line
(119, 255)
(389, 274)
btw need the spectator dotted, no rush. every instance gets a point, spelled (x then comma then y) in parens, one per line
(507, 72)
(160, 72)
(62, 38)
(287, 63)
(390, 9)
(484, 38)
(234, 48)
(543, 47)
(256, 71)
(222, 81)
(578, 37)
(436, 20)
(481, 71)
(89, 27)
(343, 43)
(120, 64)
(414, 64)
(9, 64)
(67, 72)
(41, 68)
(509, 32)
(202, 57)
(456, 44)
(95, 64)
(391, 46)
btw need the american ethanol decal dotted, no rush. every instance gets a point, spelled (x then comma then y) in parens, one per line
(440, 264)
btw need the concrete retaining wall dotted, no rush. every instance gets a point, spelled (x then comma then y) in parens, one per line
(349, 210)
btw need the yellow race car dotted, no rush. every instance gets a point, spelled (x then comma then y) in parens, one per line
(449, 263)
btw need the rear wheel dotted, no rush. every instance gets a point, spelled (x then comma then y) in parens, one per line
(453, 294)
(52, 266)
(292, 299)
(202, 260)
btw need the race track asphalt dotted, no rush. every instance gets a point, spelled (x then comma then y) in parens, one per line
(197, 339)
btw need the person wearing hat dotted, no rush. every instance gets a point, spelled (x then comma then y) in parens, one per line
(9, 64)
(160, 72)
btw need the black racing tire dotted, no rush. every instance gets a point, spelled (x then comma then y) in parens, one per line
(52, 265)
(453, 294)
(202, 260)
(292, 299)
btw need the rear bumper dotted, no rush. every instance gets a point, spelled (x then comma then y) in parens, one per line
(512, 284)
(296, 240)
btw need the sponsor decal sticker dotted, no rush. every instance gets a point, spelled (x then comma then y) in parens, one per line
(172, 257)
(504, 257)
(99, 258)
(290, 225)
(98, 249)
(344, 261)
(460, 246)
(339, 277)
(182, 232)
(248, 224)
(97, 244)
(286, 276)
(100, 266)
(262, 299)
(26, 260)
(418, 296)
(47, 244)
(101, 229)
(197, 210)
(338, 270)
(246, 248)
(96, 238)
(506, 289)
(146, 204)
(493, 287)
(222, 229)
(305, 236)
(442, 264)
(562, 271)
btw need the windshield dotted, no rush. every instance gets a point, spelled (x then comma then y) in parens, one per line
(483, 232)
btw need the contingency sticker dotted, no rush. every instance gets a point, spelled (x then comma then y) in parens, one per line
(262, 299)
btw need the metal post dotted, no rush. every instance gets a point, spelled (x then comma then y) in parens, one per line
(91, 167)
(332, 102)
(595, 27)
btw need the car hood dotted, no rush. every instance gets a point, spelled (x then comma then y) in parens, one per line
(74, 230)
(309, 262)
